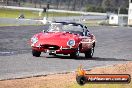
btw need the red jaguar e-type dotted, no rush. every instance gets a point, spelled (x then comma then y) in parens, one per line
(64, 38)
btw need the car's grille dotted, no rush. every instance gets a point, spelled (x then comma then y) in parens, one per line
(50, 47)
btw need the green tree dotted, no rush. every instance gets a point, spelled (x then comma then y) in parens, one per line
(106, 3)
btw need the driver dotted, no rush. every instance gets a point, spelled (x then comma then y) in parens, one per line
(55, 28)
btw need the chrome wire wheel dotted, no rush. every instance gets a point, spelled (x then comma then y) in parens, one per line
(92, 51)
(78, 52)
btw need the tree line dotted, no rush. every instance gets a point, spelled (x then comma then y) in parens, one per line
(83, 5)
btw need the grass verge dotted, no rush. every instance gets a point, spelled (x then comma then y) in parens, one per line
(93, 22)
(11, 13)
(75, 85)
(2, 25)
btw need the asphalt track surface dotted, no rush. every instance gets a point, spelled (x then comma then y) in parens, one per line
(114, 45)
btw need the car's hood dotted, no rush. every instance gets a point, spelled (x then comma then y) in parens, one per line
(58, 38)
(58, 35)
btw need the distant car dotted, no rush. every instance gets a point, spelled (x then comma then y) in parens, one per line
(64, 38)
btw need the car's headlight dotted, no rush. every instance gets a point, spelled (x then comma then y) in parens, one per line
(71, 43)
(34, 40)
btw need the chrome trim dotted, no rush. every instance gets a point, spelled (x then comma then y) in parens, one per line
(89, 41)
(50, 51)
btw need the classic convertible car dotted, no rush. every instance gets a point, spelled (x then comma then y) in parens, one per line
(64, 38)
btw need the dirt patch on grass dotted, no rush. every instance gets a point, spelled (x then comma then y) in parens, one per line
(63, 80)
(115, 69)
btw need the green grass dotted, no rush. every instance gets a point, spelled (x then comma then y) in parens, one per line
(11, 13)
(1, 25)
(8, 25)
(75, 85)
(93, 22)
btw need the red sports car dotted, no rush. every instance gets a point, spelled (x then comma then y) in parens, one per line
(64, 38)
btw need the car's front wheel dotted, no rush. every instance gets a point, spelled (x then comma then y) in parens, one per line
(89, 53)
(36, 53)
(75, 54)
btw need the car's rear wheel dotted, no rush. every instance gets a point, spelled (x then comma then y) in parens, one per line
(75, 54)
(89, 53)
(36, 53)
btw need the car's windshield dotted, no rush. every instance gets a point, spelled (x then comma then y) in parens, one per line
(57, 27)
